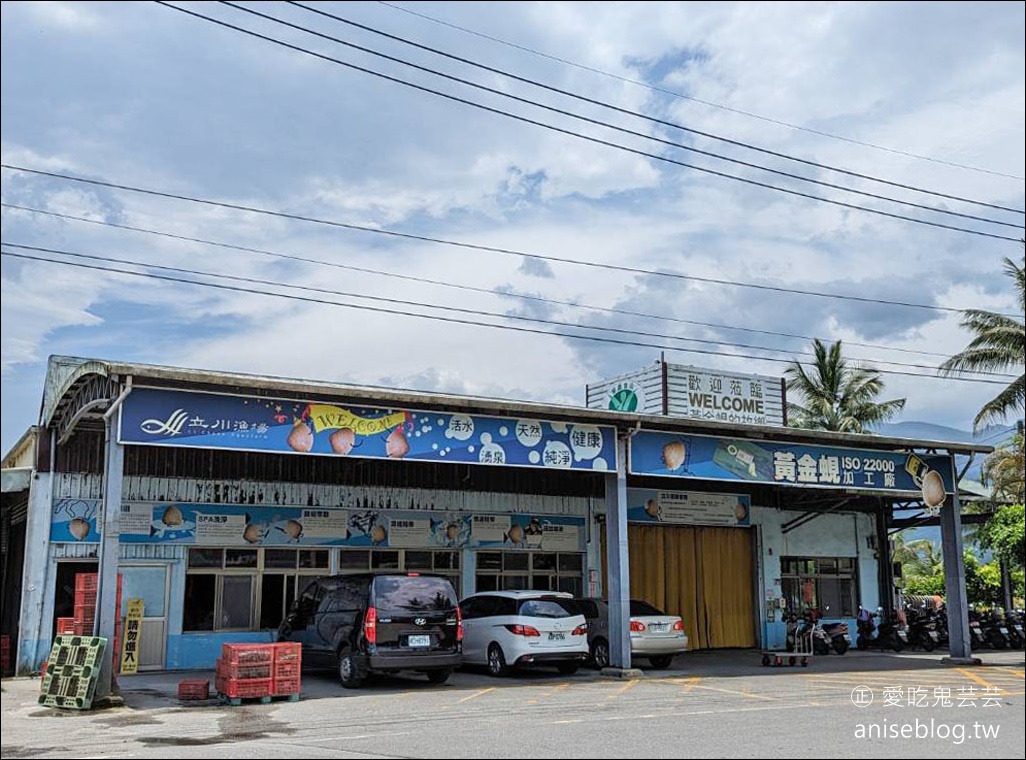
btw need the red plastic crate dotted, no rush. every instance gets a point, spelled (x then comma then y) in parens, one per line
(247, 654)
(65, 625)
(5, 654)
(287, 669)
(241, 672)
(287, 650)
(193, 689)
(283, 686)
(86, 582)
(252, 687)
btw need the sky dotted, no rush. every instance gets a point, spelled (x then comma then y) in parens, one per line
(139, 94)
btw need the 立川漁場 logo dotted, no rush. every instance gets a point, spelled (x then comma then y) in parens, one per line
(171, 426)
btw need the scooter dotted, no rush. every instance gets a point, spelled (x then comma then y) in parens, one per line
(836, 633)
(883, 636)
(923, 631)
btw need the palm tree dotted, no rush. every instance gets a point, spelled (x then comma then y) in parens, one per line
(917, 557)
(999, 345)
(835, 394)
(1004, 470)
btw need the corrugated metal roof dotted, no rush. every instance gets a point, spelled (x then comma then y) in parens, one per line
(64, 371)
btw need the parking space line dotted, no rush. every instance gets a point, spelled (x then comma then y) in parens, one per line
(625, 688)
(748, 695)
(969, 674)
(476, 694)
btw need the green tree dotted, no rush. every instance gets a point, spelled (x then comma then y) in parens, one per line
(998, 345)
(835, 394)
(1005, 534)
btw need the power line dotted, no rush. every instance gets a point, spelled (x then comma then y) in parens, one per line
(462, 310)
(452, 320)
(629, 112)
(580, 135)
(622, 130)
(479, 247)
(460, 286)
(682, 96)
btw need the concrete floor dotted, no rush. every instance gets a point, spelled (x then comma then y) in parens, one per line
(710, 704)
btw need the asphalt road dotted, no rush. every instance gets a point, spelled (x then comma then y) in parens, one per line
(721, 705)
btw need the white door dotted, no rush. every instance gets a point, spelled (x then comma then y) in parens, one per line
(149, 583)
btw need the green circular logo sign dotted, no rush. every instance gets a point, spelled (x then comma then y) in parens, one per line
(624, 400)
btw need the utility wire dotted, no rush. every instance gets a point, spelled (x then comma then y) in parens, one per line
(580, 135)
(460, 286)
(636, 114)
(479, 247)
(462, 310)
(452, 320)
(622, 130)
(682, 96)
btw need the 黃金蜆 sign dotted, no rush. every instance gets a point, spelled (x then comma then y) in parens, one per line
(797, 464)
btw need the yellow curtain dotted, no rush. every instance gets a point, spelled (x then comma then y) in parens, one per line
(703, 574)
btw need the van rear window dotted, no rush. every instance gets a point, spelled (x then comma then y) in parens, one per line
(413, 593)
(549, 608)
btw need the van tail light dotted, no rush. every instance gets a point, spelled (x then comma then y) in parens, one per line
(581, 630)
(523, 630)
(459, 625)
(678, 625)
(370, 626)
(637, 626)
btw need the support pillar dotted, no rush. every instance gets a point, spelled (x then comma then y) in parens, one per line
(35, 625)
(107, 611)
(954, 580)
(618, 582)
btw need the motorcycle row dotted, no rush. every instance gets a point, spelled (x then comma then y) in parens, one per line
(923, 629)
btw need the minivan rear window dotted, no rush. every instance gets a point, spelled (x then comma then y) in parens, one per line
(402, 593)
(548, 608)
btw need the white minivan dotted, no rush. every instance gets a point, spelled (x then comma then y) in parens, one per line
(507, 629)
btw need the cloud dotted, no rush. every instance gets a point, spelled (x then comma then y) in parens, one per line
(536, 267)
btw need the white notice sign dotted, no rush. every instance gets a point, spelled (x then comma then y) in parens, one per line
(489, 528)
(136, 519)
(324, 523)
(220, 529)
(409, 532)
(561, 538)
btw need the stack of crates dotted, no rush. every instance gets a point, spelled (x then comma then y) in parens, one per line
(66, 626)
(193, 690)
(287, 667)
(244, 672)
(86, 587)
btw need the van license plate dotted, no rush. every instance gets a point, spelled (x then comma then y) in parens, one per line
(556, 636)
(418, 641)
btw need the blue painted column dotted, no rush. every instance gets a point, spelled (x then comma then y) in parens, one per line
(954, 578)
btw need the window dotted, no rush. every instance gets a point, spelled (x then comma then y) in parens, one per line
(644, 609)
(824, 584)
(537, 571)
(245, 589)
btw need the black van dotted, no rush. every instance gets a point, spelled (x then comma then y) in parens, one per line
(381, 623)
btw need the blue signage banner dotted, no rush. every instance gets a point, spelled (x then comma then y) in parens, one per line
(758, 461)
(157, 417)
(228, 525)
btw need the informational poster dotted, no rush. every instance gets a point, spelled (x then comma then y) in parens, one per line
(132, 636)
(218, 530)
(688, 507)
(560, 538)
(409, 532)
(323, 523)
(489, 528)
(136, 519)
(75, 521)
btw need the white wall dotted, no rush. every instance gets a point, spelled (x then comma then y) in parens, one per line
(830, 535)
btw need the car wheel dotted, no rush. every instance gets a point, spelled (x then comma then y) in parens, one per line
(497, 661)
(568, 668)
(600, 653)
(438, 676)
(349, 671)
(661, 662)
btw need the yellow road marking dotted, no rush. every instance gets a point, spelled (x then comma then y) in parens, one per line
(625, 688)
(691, 684)
(969, 674)
(1014, 672)
(738, 693)
(477, 694)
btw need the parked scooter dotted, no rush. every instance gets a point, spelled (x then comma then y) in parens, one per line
(922, 631)
(1013, 620)
(977, 638)
(871, 634)
(836, 634)
(996, 633)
